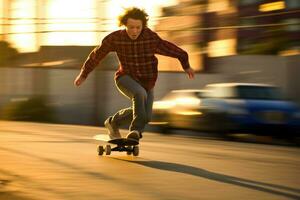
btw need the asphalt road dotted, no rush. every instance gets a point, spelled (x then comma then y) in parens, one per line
(45, 161)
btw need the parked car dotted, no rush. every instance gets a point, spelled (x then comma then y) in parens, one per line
(229, 108)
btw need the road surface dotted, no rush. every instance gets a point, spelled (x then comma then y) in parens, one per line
(46, 161)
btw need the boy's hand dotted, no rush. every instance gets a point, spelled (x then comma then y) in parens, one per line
(190, 73)
(79, 80)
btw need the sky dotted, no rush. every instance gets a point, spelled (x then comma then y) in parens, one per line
(69, 22)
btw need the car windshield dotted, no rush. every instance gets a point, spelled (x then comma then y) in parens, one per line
(253, 92)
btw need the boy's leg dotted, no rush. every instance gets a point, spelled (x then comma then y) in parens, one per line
(113, 129)
(149, 104)
(124, 116)
(138, 95)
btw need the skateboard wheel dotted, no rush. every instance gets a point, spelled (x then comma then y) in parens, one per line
(129, 152)
(136, 151)
(100, 150)
(107, 149)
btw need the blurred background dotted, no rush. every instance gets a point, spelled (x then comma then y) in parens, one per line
(43, 44)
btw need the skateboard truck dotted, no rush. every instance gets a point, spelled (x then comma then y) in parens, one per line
(123, 144)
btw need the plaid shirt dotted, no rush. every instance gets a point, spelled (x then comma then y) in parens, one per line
(136, 57)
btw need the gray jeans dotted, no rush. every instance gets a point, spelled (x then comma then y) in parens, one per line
(139, 114)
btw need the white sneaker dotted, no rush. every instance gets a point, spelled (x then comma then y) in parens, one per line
(133, 135)
(114, 132)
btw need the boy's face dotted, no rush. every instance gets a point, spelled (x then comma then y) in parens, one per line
(134, 28)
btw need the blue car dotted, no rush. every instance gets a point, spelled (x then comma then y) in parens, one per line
(230, 108)
(245, 107)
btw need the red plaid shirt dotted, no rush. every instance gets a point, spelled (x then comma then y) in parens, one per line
(136, 57)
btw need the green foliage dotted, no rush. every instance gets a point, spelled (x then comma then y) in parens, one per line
(33, 109)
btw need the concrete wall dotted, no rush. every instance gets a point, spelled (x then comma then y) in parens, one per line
(281, 71)
(293, 77)
(90, 103)
(255, 69)
(70, 104)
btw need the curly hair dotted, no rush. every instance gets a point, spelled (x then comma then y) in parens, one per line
(134, 13)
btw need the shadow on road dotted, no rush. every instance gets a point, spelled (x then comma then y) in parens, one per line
(189, 170)
(10, 196)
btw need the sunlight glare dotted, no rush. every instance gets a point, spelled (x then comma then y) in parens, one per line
(69, 22)
(23, 27)
(71, 15)
(1, 19)
(224, 47)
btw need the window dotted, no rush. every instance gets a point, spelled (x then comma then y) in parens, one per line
(252, 92)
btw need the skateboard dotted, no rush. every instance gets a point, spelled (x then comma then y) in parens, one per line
(123, 144)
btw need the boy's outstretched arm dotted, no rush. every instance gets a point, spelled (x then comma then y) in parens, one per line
(94, 58)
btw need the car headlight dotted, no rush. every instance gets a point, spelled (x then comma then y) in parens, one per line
(163, 105)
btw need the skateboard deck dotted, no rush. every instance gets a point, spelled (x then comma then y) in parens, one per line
(122, 144)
